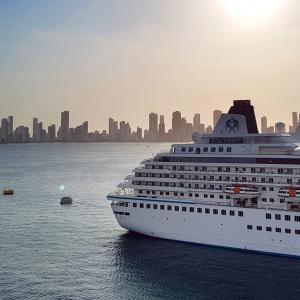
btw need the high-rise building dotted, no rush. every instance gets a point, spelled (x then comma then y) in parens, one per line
(153, 126)
(111, 127)
(295, 122)
(196, 123)
(162, 129)
(34, 129)
(21, 134)
(85, 131)
(39, 132)
(176, 125)
(139, 134)
(64, 126)
(264, 124)
(216, 116)
(4, 130)
(10, 126)
(209, 129)
(51, 133)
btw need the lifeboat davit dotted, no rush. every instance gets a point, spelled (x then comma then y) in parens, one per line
(290, 192)
(242, 191)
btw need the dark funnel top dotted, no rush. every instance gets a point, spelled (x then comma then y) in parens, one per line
(244, 107)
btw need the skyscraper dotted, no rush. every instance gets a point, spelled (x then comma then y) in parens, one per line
(85, 129)
(10, 126)
(35, 129)
(196, 123)
(153, 126)
(64, 126)
(162, 128)
(216, 116)
(4, 130)
(111, 127)
(51, 133)
(264, 124)
(295, 121)
(176, 125)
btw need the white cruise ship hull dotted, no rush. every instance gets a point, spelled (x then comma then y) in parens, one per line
(209, 228)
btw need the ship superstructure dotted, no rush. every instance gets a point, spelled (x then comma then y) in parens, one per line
(232, 188)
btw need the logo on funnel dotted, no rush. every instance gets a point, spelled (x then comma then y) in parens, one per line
(232, 125)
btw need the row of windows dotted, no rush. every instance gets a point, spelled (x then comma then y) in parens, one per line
(232, 160)
(204, 149)
(192, 209)
(270, 229)
(286, 217)
(121, 213)
(211, 196)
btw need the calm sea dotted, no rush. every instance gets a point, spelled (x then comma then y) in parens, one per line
(49, 251)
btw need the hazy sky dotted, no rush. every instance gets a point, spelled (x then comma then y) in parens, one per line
(126, 58)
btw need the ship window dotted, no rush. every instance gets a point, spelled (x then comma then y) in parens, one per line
(190, 149)
(198, 150)
(127, 214)
(277, 217)
(271, 189)
(134, 205)
(268, 228)
(161, 193)
(264, 199)
(287, 230)
(141, 205)
(249, 227)
(121, 213)
(223, 212)
(221, 149)
(176, 208)
(297, 231)
(231, 212)
(148, 192)
(183, 208)
(169, 207)
(227, 197)
(197, 195)
(162, 207)
(199, 210)
(221, 196)
(205, 195)
(240, 214)
(297, 218)
(167, 193)
(175, 193)
(207, 210)
(140, 191)
(259, 228)
(271, 199)
(191, 209)
(212, 196)
(190, 195)
(287, 217)
(213, 149)
(154, 206)
(183, 149)
(205, 149)
(148, 205)
(281, 200)
(268, 216)
(215, 211)
(181, 194)
(228, 149)
(278, 229)
(263, 188)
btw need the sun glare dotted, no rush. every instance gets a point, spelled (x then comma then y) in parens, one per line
(252, 12)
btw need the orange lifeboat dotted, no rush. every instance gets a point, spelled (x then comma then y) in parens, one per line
(292, 192)
(237, 190)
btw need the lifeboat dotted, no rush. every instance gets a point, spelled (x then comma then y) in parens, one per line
(242, 191)
(290, 192)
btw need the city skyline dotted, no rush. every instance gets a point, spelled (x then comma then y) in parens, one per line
(181, 129)
(112, 58)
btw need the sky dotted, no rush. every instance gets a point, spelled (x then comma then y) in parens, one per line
(126, 58)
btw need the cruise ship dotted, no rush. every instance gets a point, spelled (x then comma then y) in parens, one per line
(234, 188)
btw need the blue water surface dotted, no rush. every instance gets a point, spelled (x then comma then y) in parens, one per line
(49, 251)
